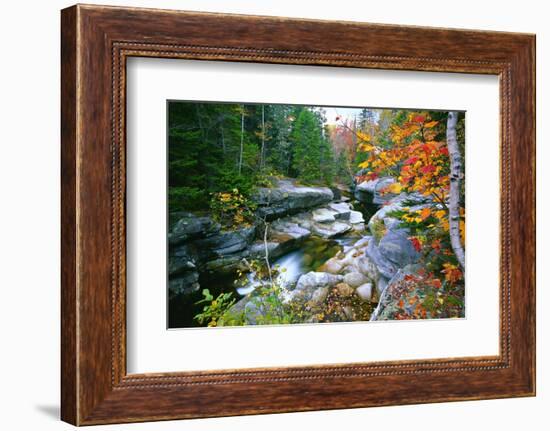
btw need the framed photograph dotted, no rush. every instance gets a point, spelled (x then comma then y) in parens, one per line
(259, 217)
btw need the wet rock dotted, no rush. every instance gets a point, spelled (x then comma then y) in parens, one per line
(274, 249)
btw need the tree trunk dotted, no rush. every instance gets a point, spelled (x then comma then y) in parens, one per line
(242, 142)
(262, 152)
(223, 140)
(456, 177)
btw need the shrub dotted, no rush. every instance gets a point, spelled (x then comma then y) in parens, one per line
(232, 208)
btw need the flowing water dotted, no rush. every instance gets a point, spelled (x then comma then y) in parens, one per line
(313, 253)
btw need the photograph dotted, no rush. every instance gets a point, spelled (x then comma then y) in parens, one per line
(295, 214)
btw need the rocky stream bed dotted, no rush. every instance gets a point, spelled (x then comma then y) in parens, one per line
(339, 256)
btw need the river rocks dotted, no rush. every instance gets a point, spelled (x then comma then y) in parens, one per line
(313, 288)
(226, 242)
(283, 237)
(355, 279)
(211, 250)
(316, 279)
(391, 248)
(323, 215)
(198, 245)
(396, 247)
(333, 266)
(364, 291)
(190, 227)
(326, 230)
(356, 217)
(288, 198)
(364, 192)
(281, 230)
(342, 210)
(344, 290)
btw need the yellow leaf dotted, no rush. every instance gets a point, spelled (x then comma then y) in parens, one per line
(430, 124)
(394, 188)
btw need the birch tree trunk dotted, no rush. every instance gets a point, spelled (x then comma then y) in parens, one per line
(262, 152)
(456, 177)
(242, 141)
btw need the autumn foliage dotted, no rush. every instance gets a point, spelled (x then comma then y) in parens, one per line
(415, 153)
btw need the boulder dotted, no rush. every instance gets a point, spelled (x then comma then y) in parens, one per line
(317, 279)
(397, 248)
(389, 298)
(181, 259)
(342, 210)
(318, 296)
(330, 230)
(189, 226)
(374, 191)
(394, 251)
(364, 192)
(323, 215)
(332, 266)
(225, 243)
(344, 290)
(313, 288)
(356, 217)
(355, 279)
(381, 196)
(283, 237)
(286, 197)
(364, 291)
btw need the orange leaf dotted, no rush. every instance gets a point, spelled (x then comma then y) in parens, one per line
(425, 213)
(431, 124)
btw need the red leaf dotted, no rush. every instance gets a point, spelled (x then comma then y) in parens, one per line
(410, 161)
(427, 169)
(416, 243)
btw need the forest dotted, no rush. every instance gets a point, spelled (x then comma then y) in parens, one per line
(305, 214)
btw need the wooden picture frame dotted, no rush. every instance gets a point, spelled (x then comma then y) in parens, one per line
(95, 43)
